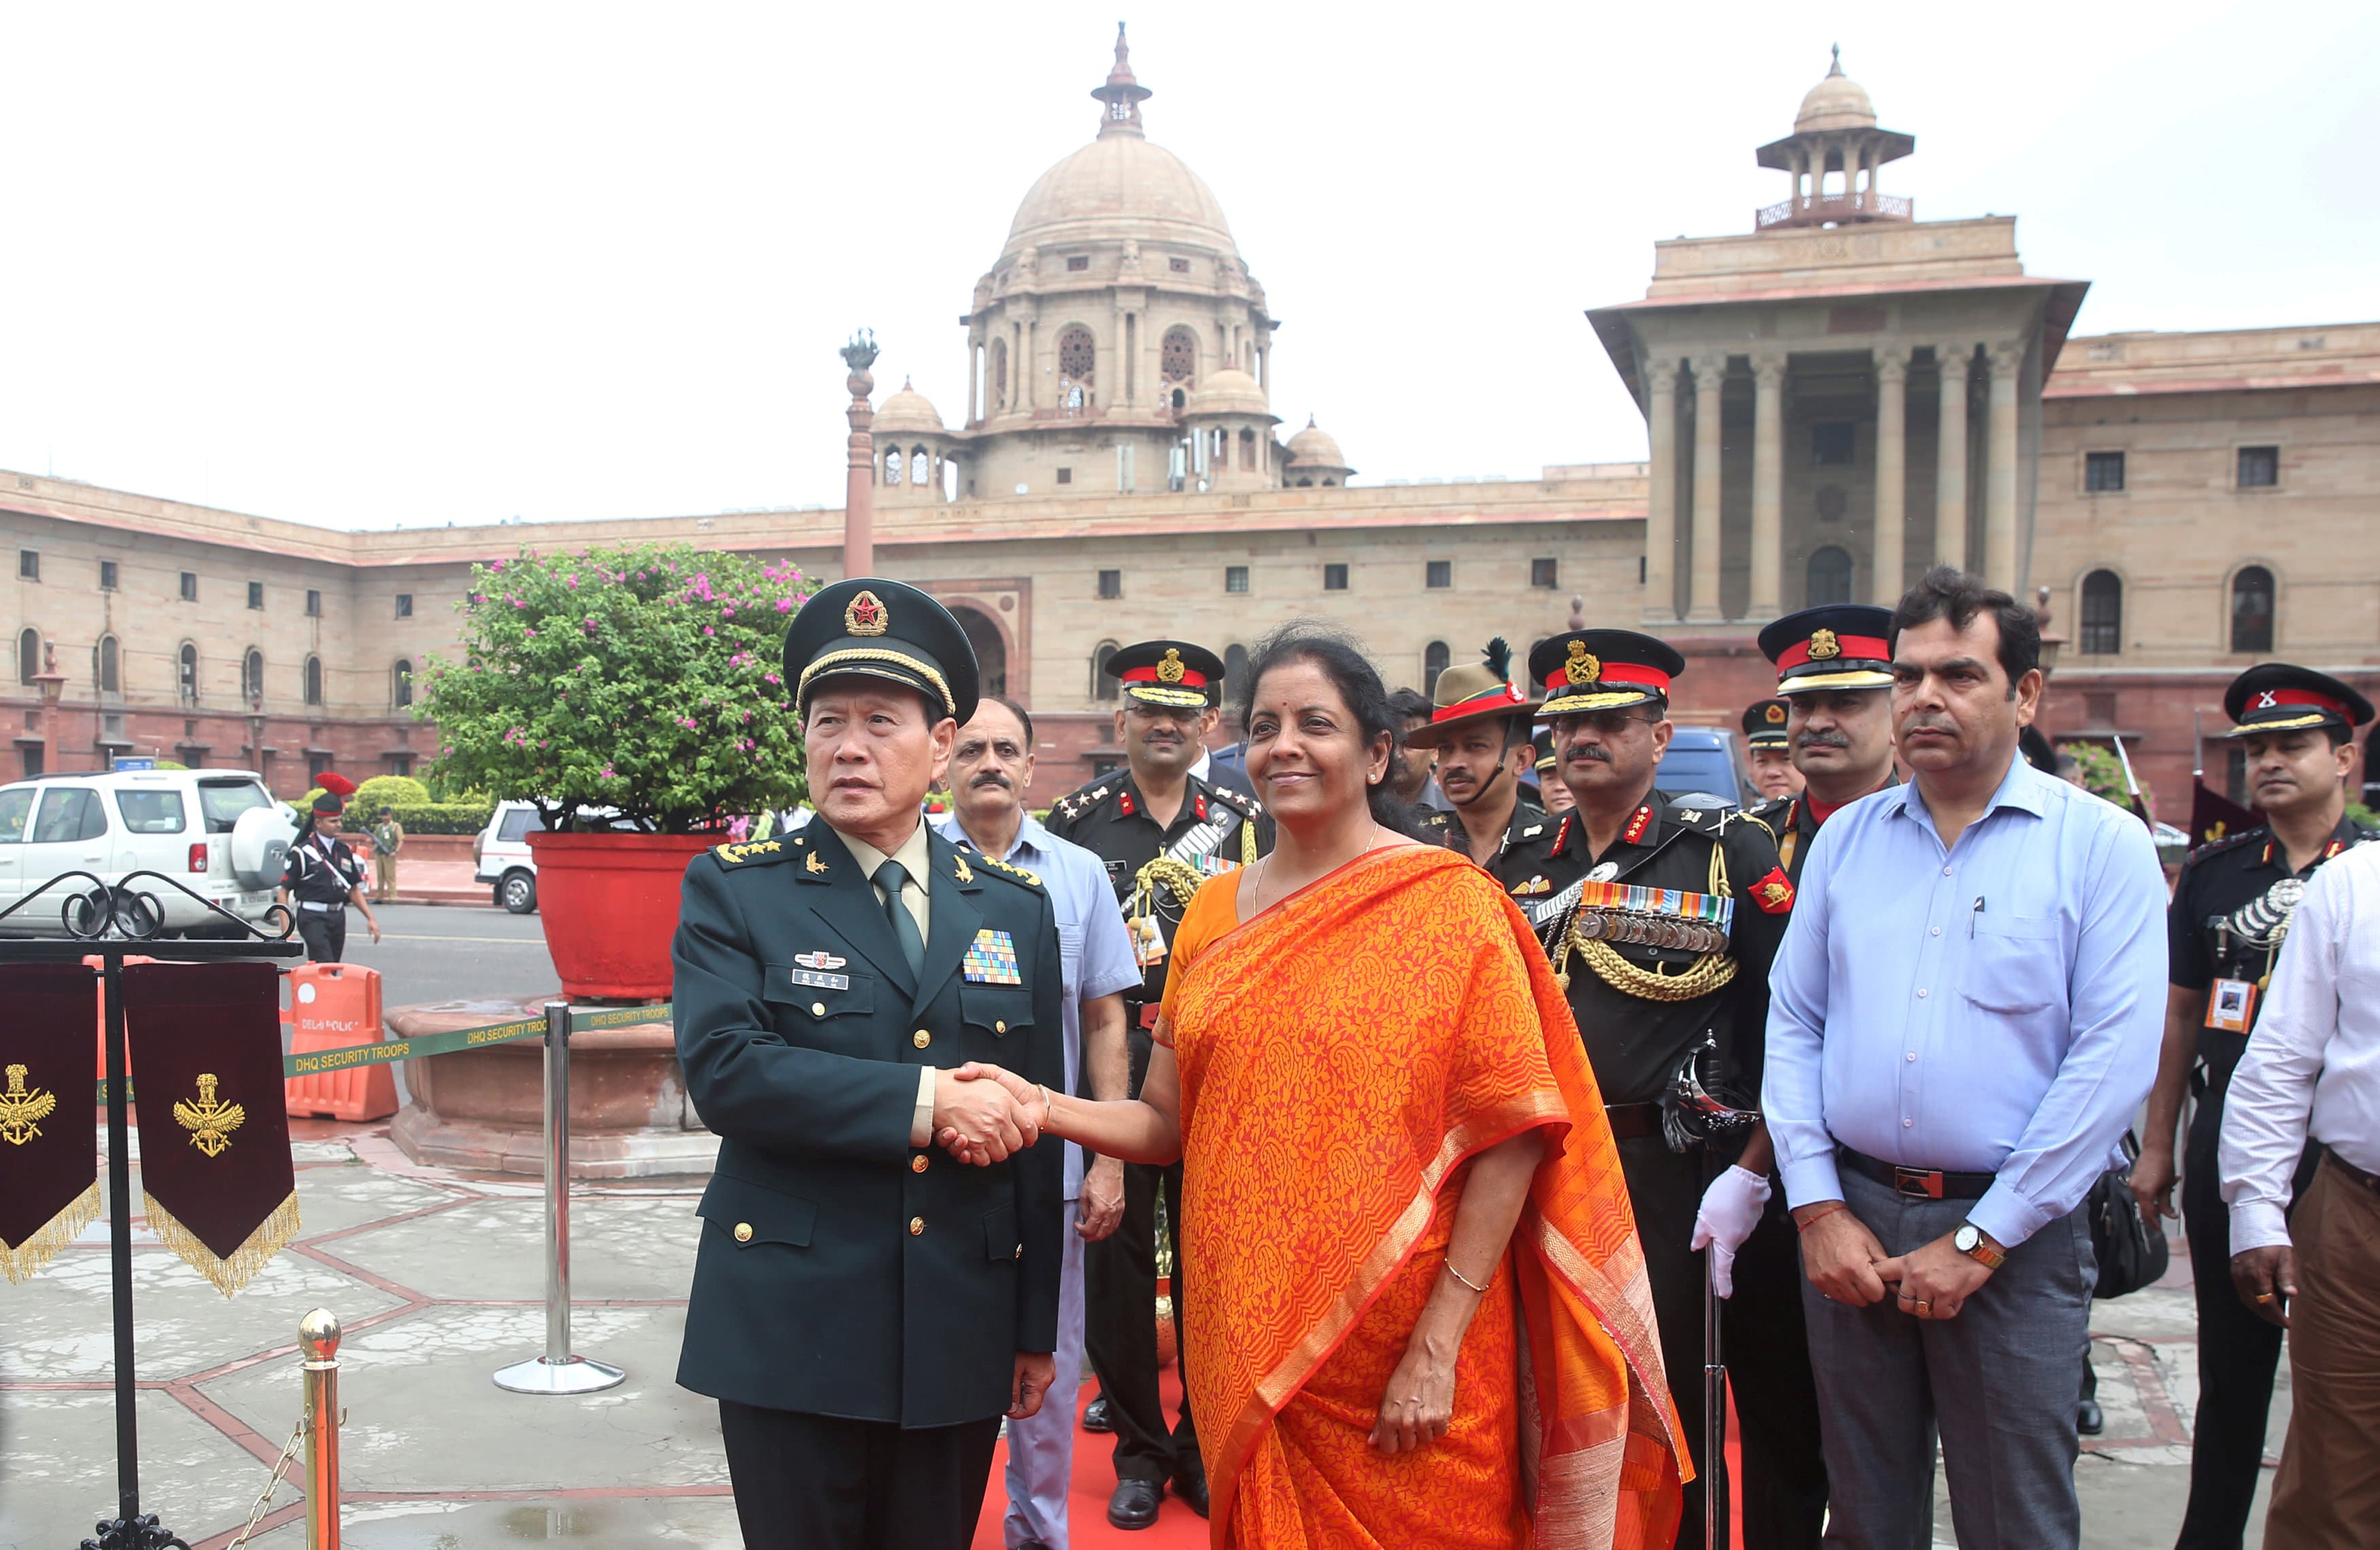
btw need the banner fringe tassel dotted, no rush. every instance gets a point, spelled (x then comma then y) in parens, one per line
(22, 1261)
(234, 1271)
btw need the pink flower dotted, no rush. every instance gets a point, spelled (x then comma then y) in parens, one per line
(571, 582)
(686, 722)
(708, 631)
(784, 606)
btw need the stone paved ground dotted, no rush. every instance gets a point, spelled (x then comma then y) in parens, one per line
(437, 1278)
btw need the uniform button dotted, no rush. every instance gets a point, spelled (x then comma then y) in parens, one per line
(743, 1232)
(1920, 993)
(917, 1226)
(999, 1027)
(818, 1008)
(918, 1164)
(921, 1038)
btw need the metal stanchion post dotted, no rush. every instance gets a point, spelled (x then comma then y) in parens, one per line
(557, 1372)
(319, 1333)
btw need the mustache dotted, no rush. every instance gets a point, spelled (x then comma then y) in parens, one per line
(1821, 739)
(1587, 753)
(1929, 723)
(992, 777)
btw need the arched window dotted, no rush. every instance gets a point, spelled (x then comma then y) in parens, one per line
(401, 683)
(189, 673)
(106, 667)
(1235, 674)
(891, 464)
(1830, 577)
(1433, 662)
(29, 655)
(2251, 609)
(1077, 356)
(921, 467)
(252, 677)
(1000, 374)
(313, 680)
(1102, 686)
(2103, 614)
(1177, 358)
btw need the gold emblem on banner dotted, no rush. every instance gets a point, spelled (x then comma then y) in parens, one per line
(209, 1122)
(21, 1111)
(867, 615)
(1170, 670)
(1582, 667)
(1823, 647)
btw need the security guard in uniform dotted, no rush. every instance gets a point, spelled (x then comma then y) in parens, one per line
(1161, 831)
(320, 876)
(2230, 911)
(1769, 750)
(1479, 725)
(1834, 678)
(865, 1308)
(1653, 978)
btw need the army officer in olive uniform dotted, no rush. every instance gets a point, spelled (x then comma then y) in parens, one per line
(864, 1308)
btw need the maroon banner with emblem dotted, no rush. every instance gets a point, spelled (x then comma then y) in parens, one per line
(2214, 817)
(216, 1173)
(49, 1159)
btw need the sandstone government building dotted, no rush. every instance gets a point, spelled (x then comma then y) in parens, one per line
(1835, 400)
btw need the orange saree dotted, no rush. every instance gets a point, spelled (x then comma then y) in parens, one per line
(1343, 1055)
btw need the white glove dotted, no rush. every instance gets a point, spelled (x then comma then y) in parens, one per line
(1730, 1208)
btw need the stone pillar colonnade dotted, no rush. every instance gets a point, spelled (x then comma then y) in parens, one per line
(1702, 588)
(2000, 472)
(1661, 507)
(1768, 487)
(1956, 359)
(1891, 474)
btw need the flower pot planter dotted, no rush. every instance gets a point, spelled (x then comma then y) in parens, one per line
(610, 903)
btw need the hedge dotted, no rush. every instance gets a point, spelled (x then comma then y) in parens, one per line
(445, 818)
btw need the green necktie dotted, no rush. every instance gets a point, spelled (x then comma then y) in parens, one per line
(890, 877)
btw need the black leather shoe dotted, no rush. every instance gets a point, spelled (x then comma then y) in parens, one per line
(2089, 1418)
(1191, 1489)
(1134, 1506)
(1095, 1417)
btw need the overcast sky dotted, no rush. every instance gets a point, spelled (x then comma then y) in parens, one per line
(359, 266)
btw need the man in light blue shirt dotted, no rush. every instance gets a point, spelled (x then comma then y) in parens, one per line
(991, 765)
(1964, 1016)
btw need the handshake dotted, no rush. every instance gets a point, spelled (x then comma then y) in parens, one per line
(982, 1114)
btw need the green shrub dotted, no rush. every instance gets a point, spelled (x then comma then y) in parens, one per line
(2364, 817)
(445, 818)
(393, 791)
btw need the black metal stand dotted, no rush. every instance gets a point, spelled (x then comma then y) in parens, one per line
(109, 922)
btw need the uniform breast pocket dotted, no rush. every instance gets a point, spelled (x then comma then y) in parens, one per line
(998, 1010)
(819, 1009)
(2016, 964)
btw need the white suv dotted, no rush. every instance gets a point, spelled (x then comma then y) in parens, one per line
(176, 823)
(503, 857)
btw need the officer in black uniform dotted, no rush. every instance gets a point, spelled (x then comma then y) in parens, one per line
(1161, 831)
(1479, 726)
(1652, 980)
(1834, 679)
(866, 1307)
(320, 876)
(2230, 911)
(1769, 750)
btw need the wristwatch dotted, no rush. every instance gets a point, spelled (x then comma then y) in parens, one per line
(1969, 1240)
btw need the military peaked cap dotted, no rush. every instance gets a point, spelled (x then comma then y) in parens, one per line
(1764, 725)
(870, 627)
(1843, 645)
(2276, 696)
(1602, 669)
(1170, 672)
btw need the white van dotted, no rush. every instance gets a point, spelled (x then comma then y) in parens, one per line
(177, 822)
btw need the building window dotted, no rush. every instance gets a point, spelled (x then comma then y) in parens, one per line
(921, 468)
(1104, 767)
(29, 655)
(256, 594)
(2102, 472)
(1830, 577)
(313, 603)
(892, 464)
(1078, 356)
(1248, 451)
(1335, 577)
(2251, 609)
(189, 673)
(1000, 374)
(189, 586)
(2260, 467)
(405, 606)
(1110, 584)
(313, 680)
(1177, 358)
(2103, 612)
(1433, 662)
(107, 666)
(29, 564)
(1438, 575)
(2235, 776)
(107, 576)
(401, 683)
(252, 677)
(1077, 264)
(1102, 686)
(400, 763)
(316, 765)
(1544, 572)
(1832, 444)
(1236, 674)
(1235, 578)
(1065, 476)
(1177, 265)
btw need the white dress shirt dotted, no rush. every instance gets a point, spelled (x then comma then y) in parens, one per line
(2312, 1066)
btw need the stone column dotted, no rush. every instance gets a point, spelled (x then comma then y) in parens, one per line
(977, 357)
(1702, 593)
(1891, 472)
(1951, 458)
(860, 482)
(1661, 505)
(1768, 488)
(2007, 358)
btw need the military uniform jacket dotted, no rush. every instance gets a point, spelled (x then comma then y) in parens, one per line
(1444, 825)
(1635, 1044)
(2231, 904)
(320, 870)
(842, 1272)
(1796, 826)
(1216, 830)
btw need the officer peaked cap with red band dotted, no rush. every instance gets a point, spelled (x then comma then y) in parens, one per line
(1172, 673)
(1602, 669)
(2277, 697)
(1842, 645)
(1473, 694)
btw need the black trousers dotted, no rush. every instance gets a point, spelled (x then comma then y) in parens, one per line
(1120, 1318)
(2238, 1352)
(1767, 1352)
(822, 1482)
(325, 935)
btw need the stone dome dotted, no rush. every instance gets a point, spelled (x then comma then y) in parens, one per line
(1120, 186)
(907, 411)
(1227, 392)
(1836, 102)
(1314, 448)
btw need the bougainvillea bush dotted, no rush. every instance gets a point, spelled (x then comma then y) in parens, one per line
(644, 681)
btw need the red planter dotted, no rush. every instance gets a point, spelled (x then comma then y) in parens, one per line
(610, 905)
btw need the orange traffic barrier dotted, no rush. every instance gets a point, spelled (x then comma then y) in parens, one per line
(98, 965)
(336, 1006)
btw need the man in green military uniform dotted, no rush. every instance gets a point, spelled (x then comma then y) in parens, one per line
(1161, 830)
(1834, 678)
(2230, 911)
(864, 1309)
(1479, 725)
(1652, 978)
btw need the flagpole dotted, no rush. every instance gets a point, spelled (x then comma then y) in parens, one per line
(2132, 785)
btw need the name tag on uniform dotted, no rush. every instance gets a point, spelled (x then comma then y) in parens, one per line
(815, 981)
(991, 959)
(2230, 1005)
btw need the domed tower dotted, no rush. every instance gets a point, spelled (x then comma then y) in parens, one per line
(1119, 291)
(1833, 155)
(1229, 427)
(912, 449)
(1314, 459)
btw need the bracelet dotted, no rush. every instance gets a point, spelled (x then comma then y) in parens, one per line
(1803, 1225)
(1466, 1280)
(1047, 1104)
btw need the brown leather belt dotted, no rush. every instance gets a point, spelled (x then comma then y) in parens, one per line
(1931, 1184)
(2351, 1173)
(1633, 1121)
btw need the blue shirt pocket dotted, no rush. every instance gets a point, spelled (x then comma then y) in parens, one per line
(2016, 964)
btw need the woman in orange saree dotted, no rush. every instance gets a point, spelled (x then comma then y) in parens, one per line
(1423, 1316)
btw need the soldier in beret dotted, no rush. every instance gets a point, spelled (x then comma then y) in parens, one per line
(1479, 726)
(866, 1310)
(1769, 750)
